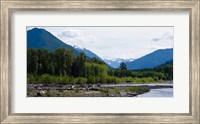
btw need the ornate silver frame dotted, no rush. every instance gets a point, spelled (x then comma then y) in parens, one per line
(8, 6)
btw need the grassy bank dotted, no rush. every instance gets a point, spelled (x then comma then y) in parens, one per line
(49, 79)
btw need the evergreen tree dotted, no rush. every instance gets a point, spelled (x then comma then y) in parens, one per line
(32, 61)
(122, 66)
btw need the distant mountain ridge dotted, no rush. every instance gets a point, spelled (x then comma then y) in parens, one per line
(89, 53)
(151, 60)
(115, 63)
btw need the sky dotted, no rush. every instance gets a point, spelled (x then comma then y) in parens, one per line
(115, 42)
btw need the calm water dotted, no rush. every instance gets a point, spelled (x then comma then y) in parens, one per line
(131, 84)
(164, 92)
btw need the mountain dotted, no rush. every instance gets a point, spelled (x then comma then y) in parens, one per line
(170, 62)
(151, 60)
(87, 52)
(40, 38)
(116, 62)
(90, 54)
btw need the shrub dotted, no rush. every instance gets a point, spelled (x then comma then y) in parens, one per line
(117, 90)
(92, 80)
(74, 80)
(81, 80)
(45, 78)
(31, 79)
(58, 80)
(65, 79)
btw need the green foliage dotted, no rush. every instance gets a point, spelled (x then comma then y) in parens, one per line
(63, 61)
(31, 79)
(122, 66)
(52, 93)
(136, 89)
(93, 80)
(46, 79)
(158, 74)
(106, 92)
(81, 80)
(32, 61)
(63, 67)
(95, 60)
(94, 69)
(79, 66)
(117, 90)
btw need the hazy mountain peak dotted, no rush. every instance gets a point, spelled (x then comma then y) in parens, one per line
(151, 60)
(88, 53)
(78, 47)
(116, 61)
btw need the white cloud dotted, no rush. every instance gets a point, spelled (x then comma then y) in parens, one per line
(116, 42)
(168, 36)
(156, 47)
(76, 37)
(70, 33)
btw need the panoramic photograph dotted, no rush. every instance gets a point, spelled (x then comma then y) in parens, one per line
(99, 61)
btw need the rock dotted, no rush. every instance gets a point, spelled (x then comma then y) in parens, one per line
(131, 94)
(82, 88)
(41, 93)
(69, 87)
(72, 87)
(122, 94)
(111, 95)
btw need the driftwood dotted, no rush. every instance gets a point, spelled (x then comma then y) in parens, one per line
(131, 94)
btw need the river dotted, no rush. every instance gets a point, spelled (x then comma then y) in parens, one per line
(131, 84)
(156, 89)
(163, 92)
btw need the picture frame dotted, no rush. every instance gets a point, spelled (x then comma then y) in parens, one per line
(7, 7)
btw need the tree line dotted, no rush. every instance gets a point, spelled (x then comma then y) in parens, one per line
(63, 66)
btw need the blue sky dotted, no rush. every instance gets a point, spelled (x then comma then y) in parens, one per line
(116, 42)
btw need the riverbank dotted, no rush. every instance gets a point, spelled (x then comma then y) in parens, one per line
(92, 90)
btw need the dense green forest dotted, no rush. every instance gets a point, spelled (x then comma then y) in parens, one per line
(62, 66)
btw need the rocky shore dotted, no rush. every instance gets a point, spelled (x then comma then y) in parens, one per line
(91, 90)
